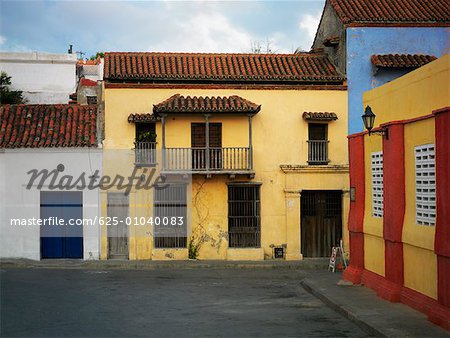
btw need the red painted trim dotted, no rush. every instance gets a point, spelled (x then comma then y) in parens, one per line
(222, 86)
(394, 183)
(394, 266)
(356, 213)
(362, 133)
(357, 181)
(442, 233)
(437, 313)
(384, 288)
(442, 149)
(394, 204)
(441, 110)
(415, 119)
(443, 272)
(354, 271)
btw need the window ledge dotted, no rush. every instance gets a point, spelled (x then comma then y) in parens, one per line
(292, 168)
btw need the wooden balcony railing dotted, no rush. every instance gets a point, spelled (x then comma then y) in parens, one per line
(318, 152)
(226, 160)
(145, 153)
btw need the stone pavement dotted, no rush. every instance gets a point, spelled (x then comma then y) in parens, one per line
(361, 305)
(373, 314)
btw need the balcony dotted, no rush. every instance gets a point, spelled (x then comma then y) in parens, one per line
(145, 154)
(224, 160)
(318, 152)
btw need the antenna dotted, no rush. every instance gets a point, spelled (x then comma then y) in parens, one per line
(81, 54)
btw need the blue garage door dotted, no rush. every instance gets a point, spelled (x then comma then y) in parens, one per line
(61, 241)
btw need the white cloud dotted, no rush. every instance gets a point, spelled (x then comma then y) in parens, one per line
(309, 24)
(205, 32)
(2, 40)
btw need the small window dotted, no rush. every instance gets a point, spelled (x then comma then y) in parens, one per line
(145, 132)
(244, 218)
(91, 99)
(170, 216)
(377, 184)
(425, 184)
(317, 143)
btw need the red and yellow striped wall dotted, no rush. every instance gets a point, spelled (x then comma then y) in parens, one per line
(401, 260)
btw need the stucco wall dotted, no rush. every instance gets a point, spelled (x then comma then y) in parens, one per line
(279, 138)
(331, 26)
(18, 202)
(43, 78)
(363, 42)
(407, 102)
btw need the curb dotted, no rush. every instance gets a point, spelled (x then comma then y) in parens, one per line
(306, 264)
(342, 309)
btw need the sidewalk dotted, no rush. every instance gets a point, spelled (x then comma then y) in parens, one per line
(305, 264)
(373, 314)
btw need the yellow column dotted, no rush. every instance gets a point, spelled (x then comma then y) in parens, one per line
(293, 234)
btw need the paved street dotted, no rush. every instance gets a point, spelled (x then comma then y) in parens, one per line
(164, 302)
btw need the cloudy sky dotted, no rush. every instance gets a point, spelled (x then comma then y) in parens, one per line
(170, 26)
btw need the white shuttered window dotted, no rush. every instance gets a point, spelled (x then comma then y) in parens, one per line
(377, 184)
(425, 184)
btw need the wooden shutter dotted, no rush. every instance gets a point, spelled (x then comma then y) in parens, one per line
(198, 131)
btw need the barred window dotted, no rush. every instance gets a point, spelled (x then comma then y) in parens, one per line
(169, 203)
(425, 184)
(377, 184)
(244, 219)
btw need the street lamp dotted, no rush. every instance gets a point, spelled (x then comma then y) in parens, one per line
(369, 119)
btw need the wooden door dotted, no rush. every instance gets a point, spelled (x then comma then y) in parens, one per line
(117, 210)
(321, 222)
(198, 144)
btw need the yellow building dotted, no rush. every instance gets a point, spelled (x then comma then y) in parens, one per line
(398, 222)
(254, 147)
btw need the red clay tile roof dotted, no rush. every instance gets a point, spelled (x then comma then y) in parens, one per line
(401, 60)
(322, 116)
(87, 82)
(142, 117)
(193, 105)
(220, 68)
(60, 125)
(381, 12)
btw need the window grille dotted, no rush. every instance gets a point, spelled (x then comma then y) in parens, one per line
(377, 184)
(244, 218)
(425, 184)
(169, 204)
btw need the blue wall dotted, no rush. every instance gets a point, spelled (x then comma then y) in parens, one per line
(363, 42)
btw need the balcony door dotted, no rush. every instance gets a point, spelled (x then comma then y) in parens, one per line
(317, 143)
(145, 144)
(198, 145)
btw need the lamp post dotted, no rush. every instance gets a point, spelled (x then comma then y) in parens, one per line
(369, 119)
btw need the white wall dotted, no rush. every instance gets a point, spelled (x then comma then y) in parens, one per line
(44, 78)
(18, 202)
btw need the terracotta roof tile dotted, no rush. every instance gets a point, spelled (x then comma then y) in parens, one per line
(200, 104)
(60, 125)
(142, 117)
(401, 60)
(220, 68)
(382, 12)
